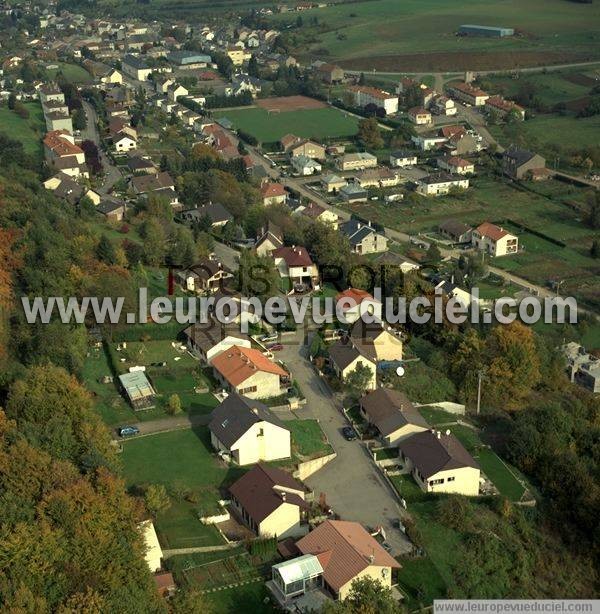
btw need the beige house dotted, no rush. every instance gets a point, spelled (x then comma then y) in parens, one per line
(211, 339)
(519, 163)
(365, 95)
(273, 194)
(438, 462)
(419, 116)
(295, 146)
(153, 555)
(318, 213)
(248, 432)
(439, 184)
(294, 263)
(465, 92)
(354, 303)
(494, 240)
(271, 502)
(249, 372)
(392, 414)
(270, 240)
(204, 277)
(457, 165)
(332, 183)
(374, 341)
(237, 55)
(346, 552)
(356, 161)
(345, 357)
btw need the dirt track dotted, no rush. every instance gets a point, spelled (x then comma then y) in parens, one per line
(290, 103)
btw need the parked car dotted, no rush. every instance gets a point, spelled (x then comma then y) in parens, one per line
(275, 347)
(268, 337)
(128, 431)
(349, 433)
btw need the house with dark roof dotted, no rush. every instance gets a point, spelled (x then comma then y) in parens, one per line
(346, 551)
(364, 239)
(345, 357)
(392, 414)
(438, 462)
(271, 238)
(271, 502)
(215, 212)
(294, 263)
(208, 340)
(456, 231)
(518, 163)
(248, 432)
(375, 341)
(204, 276)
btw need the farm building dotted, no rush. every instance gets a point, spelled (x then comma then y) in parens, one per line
(138, 389)
(491, 31)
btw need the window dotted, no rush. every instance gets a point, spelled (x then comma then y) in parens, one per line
(247, 390)
(436, 482)
(451, 479)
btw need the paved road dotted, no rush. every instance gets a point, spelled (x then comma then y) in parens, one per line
(227, 255)
(353, 486)
(111, 173)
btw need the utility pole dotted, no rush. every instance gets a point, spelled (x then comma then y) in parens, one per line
(479, 378)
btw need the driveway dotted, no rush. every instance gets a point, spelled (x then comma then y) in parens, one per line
(227, 255)
(173, 423)
(353, 486)
(111, 173)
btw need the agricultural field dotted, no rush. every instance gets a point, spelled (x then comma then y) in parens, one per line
(28, 131)
(387, 35)
(314, 123)
(541, 261)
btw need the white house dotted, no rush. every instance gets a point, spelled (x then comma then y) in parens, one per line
(248, 432)
(440, 183)
(365, 95)
(154, 553)
(403, 158)
(303, 165)
(494, 240)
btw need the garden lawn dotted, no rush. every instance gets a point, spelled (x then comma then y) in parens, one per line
(313, 123)
(420, 580)
(248, 598)
(29, 132)
(437, 415)
(73, 73)
(182, 460)
(308, 439)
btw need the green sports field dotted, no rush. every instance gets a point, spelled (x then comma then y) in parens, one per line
(313, 123)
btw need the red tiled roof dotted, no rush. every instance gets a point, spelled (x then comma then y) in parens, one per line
(59, 145)
(371, 91)
(237, 364)
(449, 131)
(344, 549)
(269, 190)
(418, 111)
(358, 296)
(493, 232)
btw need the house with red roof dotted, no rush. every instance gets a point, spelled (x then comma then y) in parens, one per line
(273, 193)
(494, 240)
(353, 303)
(249, 372)
(294, 263)
(456, 165)
(61, 154)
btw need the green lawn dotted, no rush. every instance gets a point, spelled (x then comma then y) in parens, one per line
(420, 580)
(28, 131)
(308, 439)
(313, 123)
(408, 489)
(249, 598)
(436, 415)
(71, 72)
(183, 461)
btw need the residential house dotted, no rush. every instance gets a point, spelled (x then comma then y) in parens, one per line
(392, 414)
(502, 108)
(467, 93)
(345, 357)
(237, 55)
(213, 338)
(440, 183)
(318, 213)
(123, 141)
(363, 238)
(58, 120)
(347, 552)
(381, 177)
(113, 210)
(375, 341)
(136, 67)
(248, 431)
(50, 92)
(442, 105)
(66, 188)
(61, 154)
(161, 184)
(354, 303)
(520, 163)
(356, 161)
(419, 116)
(494, 240)
(332, 183)
(271, 502)
(403, 158)
(303, 165)
(271, 238)
(438, 463)
(250, 373)
(583, 367)
(216, 213)
(456, 165)
(353, 193)
(295, 146)
(273, 193)
(453, 291)
(176, 91)
(456, 231)
(294, 263)
(330, 73)
(204, 277)
(458, 141)
(141, 165)
(365, 95)
(428, 141)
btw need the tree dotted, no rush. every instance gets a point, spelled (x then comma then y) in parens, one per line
(21, 110)
(358, 381)
(153, 233)
(369, 133)
(79, 119)
(156, 498)
(433, 255)
(105, 251)
(174, 405)
(257, 275)
(12, 100)
(595, 249)
(593, 218)
(366, 596)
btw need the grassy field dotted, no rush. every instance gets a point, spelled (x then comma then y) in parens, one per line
(365, 32)
(28, 131)
(249, 598)
(71, 72)
(193, 468)
(314, 123)
(420, 580)
(309, 440)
